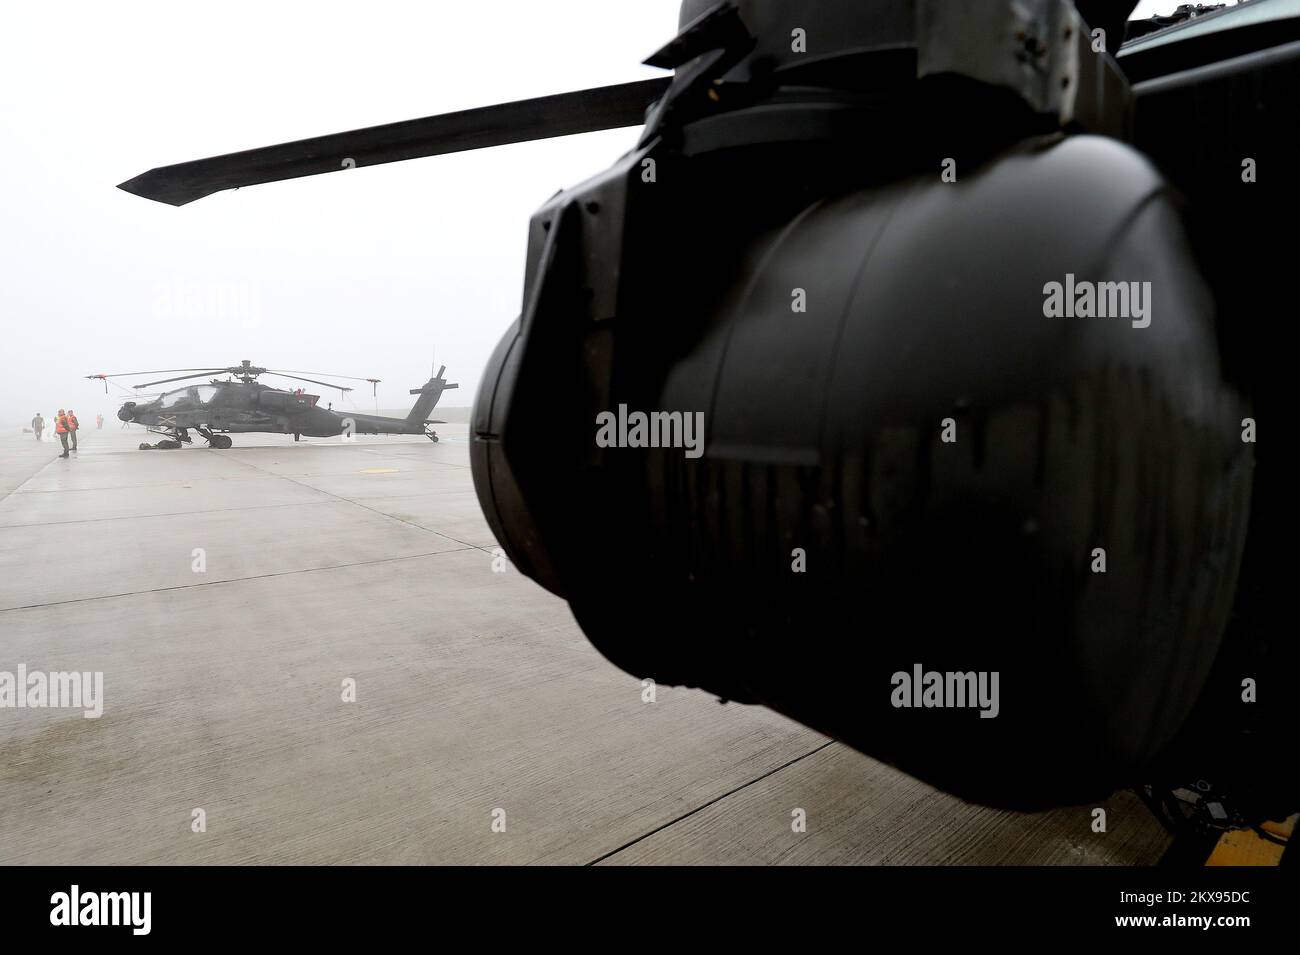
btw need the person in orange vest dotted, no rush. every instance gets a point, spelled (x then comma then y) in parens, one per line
(99, 422)
(61, 429)
(73, 425)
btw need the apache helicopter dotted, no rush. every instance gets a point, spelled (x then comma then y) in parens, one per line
(241, 404)
(875, 198)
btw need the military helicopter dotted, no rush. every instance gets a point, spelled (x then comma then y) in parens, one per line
(875, 198)
(242, 404)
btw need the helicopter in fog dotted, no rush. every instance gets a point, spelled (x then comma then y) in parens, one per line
(241, 404)
(942, 463)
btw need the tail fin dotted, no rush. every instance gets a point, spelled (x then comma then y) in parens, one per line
(429, 396)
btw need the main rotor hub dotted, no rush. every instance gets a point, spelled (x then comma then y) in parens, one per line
(246, 371)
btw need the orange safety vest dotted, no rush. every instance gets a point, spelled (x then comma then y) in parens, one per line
(61, 424)
(73, 423)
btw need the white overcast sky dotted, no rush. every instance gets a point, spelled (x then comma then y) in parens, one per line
(372, 273)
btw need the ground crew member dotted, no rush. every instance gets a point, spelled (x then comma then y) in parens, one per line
(61, 429)
(38, 425)
(73, 425)
(99, 422)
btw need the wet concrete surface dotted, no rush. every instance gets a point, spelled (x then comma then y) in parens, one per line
(228, 597)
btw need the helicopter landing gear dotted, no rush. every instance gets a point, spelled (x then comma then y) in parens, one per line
(432, 436)
(173, 437)
(219, 442)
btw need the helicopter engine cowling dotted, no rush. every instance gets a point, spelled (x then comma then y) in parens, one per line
(282, 401)
(865, 373)
(916, 460)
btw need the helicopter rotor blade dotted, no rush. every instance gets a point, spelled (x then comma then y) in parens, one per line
(565, 114)
(312, 380)
(160, 371)
(203, 374)
(324, 374)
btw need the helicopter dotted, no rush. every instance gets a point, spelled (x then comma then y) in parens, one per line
(242, 404)
(875, 197)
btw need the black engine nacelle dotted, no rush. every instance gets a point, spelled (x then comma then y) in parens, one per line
(971, 490)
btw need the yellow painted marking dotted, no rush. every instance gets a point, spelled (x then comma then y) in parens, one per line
(379, 470)
(1244, 847)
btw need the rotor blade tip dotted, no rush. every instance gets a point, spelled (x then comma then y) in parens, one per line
(149, 185)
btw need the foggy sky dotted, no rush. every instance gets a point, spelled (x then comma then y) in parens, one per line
(376, 272)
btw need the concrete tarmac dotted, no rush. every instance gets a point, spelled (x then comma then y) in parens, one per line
(229, 596)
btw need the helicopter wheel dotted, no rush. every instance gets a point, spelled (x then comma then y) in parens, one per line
(220, 441)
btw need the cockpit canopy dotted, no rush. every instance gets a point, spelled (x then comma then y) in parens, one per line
(194, 396)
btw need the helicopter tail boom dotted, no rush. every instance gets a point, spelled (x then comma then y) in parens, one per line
(429, 395)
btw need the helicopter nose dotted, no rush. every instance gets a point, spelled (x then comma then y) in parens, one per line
(127, 411)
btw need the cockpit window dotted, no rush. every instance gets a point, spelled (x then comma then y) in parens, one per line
(172, 397)
(206, 393)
